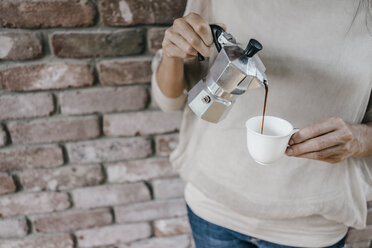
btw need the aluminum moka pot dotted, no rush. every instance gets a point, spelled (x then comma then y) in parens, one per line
(234, 71)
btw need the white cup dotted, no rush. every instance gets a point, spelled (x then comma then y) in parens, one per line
(270, 146)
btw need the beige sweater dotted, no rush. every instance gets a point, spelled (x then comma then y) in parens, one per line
(316, 69)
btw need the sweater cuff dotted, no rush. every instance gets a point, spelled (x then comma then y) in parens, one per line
(165, 103)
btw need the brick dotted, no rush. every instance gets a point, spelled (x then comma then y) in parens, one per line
(102, 44)
(165, 144)
(168, 188)
(54, 130)
(25, 105)
(30, 157)
(3, 137)
(123, 72)
(37, 14)
(170, 227)
(131, 171)
(103, 100)
(155, 38)
(22, 204)
(113, 234)
(133, 12)
(355, 235)
(141, 123)
(181, 241)
(45, 76)
(362, 244)
(13, 227)
(109, 195)
(71, 220)
(66, 177)
(51, 241)
(108, 150)
(19, 46)
(148, 211)
(6, 184)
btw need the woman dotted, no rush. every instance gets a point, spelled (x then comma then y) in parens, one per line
(318, 56)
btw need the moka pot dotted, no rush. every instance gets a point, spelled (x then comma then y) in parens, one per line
(234, 71)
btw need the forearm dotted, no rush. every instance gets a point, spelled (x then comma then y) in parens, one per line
(170, 76)
(364, 136)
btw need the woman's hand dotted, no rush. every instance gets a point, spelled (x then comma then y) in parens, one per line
(188, 36)
(183, 40)
(331, 140)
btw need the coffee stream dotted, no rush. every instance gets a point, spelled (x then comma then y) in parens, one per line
(264, 109)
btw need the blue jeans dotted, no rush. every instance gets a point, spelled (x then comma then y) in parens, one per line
(209, 235)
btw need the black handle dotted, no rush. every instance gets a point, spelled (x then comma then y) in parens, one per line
(216, 32)
(252, 48)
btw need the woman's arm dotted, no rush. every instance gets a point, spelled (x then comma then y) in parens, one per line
(364, 131)
(183, 40)
(332, 140)
(170, 76)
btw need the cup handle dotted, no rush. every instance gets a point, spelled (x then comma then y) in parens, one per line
(295, 130)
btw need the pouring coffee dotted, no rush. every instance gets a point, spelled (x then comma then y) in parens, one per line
(234, 71)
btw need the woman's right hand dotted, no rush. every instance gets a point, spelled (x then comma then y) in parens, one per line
(188, 36)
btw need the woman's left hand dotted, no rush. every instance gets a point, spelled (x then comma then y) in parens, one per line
(331, 140)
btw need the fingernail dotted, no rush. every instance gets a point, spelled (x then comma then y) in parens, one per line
(289, 152)
(291, 142)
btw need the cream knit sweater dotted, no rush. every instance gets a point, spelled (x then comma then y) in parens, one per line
(316, 68)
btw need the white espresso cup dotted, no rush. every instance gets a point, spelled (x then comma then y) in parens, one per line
(270, 146)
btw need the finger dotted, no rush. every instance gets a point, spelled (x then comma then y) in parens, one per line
(335, 159)
(316, 144)
(180, 42)
(172, 50)
(188, 33)
(315, 130)
(201, 27)
(323, 155)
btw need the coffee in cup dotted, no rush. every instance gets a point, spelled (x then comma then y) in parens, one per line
(270, 146)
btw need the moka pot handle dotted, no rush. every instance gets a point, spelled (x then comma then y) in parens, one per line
(216, 32)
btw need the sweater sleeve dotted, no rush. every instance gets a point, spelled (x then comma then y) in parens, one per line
(202, 8)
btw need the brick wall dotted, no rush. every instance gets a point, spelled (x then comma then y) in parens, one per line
(83, 149)
(83, 156)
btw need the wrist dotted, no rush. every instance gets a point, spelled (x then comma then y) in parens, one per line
(170, 76)
(165, 58)
(359, 135)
